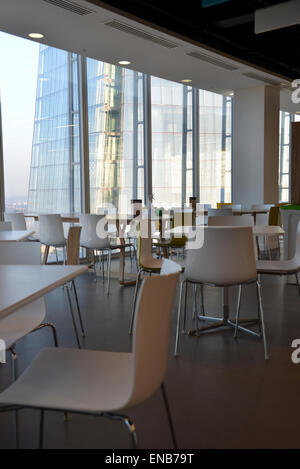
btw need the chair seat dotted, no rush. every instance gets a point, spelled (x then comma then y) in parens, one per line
(17, 325)
(277, 267)
(151, 264)
(74, 380)
(59, 245)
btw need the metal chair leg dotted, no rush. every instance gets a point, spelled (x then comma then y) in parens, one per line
(15, 377)
(238, 312)
(297, 281)
(185, 309)
(73, 316)
(42, 425)
(129, 425)
(262, 320)
(78, 309)
(53, 328)
(134, 301)
(108, 273)
(171, 425)
(178, 318)
(202, 300)
(195, 308)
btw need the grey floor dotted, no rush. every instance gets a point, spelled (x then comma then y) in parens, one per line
(221, 392)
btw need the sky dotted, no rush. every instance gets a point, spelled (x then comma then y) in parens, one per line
(18, 79)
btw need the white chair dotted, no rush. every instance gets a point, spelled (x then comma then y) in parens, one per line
(17, 220)
(226, 259)
(5, 226)
(91, 240)
(51, 233)
(262, 206)
(243, 220)
(219, 212)
(102, 384)
(286, 267)
(30, 318)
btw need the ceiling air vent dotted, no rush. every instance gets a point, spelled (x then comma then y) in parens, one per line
(70, 6)
(256, 76)
(141, 34)
(213, 60)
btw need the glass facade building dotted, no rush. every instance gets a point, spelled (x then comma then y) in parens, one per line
(122, 114)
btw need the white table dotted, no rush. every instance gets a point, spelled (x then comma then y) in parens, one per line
(23, 284)
(15, 236)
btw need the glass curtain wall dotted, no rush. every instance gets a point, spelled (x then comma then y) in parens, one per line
(116, 136)
(117, 122)
(172, 143)
(55, 164)
(286, 120)
(215, 148)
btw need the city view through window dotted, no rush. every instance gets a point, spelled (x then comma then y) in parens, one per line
(43, 134)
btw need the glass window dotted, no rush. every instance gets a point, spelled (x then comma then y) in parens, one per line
(116, 129)
(285, 156)
(215, 148)
(167, 142)
(55, 165)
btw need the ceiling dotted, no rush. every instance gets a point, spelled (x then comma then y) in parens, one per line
(89, 29)
(228, 27)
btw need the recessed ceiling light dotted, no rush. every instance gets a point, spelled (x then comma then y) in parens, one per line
(36, 35)
(124, 62)
(186, 81)
(231, 93)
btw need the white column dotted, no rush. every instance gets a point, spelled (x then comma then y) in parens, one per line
(256, 145)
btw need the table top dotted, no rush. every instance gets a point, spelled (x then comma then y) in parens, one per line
(22, 284)
(13, 236)
(258, 230)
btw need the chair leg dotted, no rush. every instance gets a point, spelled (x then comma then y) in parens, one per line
(262, 320)
(53, 328)
(178, 318)
(15, 377)
(171, 425)
(78, 309)
(297, 281)
(73, 316)
(185, 308)
(42, 425)
(46, 254)
(134, 301)
(195, 308)
(129, 425)
(202, 300)
(56, 255)
(109, 271)
(238, 312)
(94, 262)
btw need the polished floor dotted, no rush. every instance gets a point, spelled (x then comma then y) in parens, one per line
(221, 392)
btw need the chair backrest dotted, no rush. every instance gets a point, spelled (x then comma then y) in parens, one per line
(20, 253)
(151, 335)
(183, 217)
(262, 219)
(261, 206)
(232, 206)
(170, 267)
(73, 245)
(226, 258)
(275, 216)
(5, 226)
(243, 220)
(219, 212)
(51, 231)
(17, 220)
(89, 236)
(144, 251)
